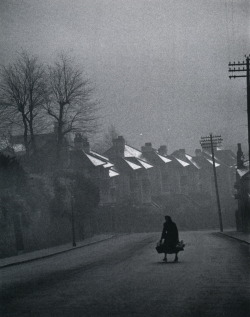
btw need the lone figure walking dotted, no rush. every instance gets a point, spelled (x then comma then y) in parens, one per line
(171, 237)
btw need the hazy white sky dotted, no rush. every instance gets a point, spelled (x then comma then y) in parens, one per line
(160, 66)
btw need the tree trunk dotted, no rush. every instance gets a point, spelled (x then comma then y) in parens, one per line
(25, 134)
(60, 136)
(32, 137)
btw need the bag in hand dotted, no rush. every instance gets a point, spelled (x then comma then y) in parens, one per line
(160, 248)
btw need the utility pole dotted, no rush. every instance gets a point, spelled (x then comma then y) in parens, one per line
(209, 143)
(243, 67)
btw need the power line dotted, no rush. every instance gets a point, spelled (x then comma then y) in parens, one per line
(243, 70)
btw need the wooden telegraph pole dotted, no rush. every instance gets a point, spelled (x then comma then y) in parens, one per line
(209, 143)
(243, 67)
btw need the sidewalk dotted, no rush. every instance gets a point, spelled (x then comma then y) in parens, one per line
(241, 236)
(39, 254)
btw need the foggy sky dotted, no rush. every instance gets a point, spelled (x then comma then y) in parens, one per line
(160, 67)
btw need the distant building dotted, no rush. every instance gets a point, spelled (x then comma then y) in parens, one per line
(134, 184)
(45, 157)
(147, 176)
(242, 195)
(188, 171)
(96, 167)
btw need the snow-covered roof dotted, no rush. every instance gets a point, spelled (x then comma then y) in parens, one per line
(242, 171)
(189, 157)
(183, 163)
(210, 161)
(131, 152)
(144, 164)
(164, 159)
(94, 160)
(210, 154)
(133, 165)
(113, 173)
(108, 164)
(99, 155)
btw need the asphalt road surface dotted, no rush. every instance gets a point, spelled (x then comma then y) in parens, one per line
(124, 276)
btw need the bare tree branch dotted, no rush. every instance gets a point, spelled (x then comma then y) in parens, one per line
(70, 99)
(23, 90)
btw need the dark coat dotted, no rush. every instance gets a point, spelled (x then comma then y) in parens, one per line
(170, 234)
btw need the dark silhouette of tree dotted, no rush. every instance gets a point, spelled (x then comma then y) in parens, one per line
(70, 101)
(74, 188)
(12, 181)
(12, 175)
(22, 95)
(86, 195)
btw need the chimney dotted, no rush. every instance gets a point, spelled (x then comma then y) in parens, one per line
(240, 157)
(78, 141)
(119, 146)
(81, 143)
(86, 146)
(147, 148)
(162, 150)
(182, 151)
(198, 152)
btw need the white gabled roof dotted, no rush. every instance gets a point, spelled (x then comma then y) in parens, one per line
(131, 152)
(164, 159)
(210, 161)
(210, 154)
(133, 165)
(108, 164)
(242, 171)
(113, 173)
(100, 156)
(189, 157)
(94, 160)
(182, 162)
(144, 164)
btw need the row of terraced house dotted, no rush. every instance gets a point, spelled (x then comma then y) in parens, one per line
(150, 176)
(147, 176)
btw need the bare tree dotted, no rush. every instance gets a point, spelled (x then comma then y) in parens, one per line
(70, 101)
(22, 95)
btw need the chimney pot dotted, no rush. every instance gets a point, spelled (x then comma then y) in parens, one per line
(119, 146)
(162, 150)
(240, 157)
(81, 143)
(198, 152)
(147, 147)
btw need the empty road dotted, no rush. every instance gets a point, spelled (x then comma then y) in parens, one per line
(124, 276)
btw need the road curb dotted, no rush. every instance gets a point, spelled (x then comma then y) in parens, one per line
(235, 238)
(55, 253)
